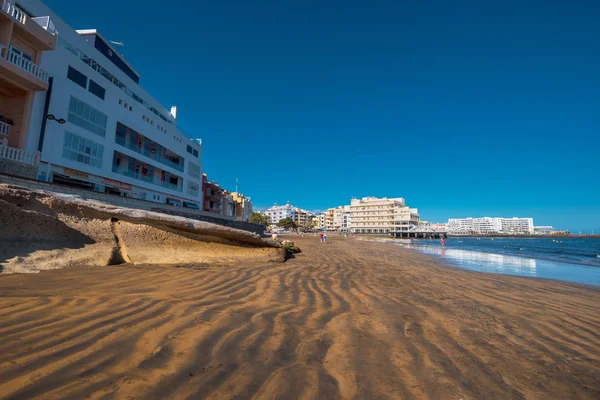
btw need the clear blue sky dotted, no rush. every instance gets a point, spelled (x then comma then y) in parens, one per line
(481, 108)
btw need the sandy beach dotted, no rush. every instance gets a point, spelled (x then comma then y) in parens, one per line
(347, 319)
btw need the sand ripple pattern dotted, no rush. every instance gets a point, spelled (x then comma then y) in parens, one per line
(348, 319)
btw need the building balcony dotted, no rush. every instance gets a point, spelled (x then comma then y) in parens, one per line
(18, 155)
(133, 146)
(40, 32)
(145, 178)
(22, 72)
(4, 130)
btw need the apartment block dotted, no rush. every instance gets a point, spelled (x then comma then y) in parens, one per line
(74, 111)
(371, 215)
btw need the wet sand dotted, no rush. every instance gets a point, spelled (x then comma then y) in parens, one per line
(348, 319)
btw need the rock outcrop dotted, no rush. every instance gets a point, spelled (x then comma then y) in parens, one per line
(43, 230)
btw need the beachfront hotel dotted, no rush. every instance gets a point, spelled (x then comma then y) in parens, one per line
(73, 112)
(490, 225)
(371, 215)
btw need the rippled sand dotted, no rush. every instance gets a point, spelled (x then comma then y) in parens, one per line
(348, 319)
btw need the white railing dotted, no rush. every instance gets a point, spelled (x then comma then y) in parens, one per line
(4, 128)
(18, 155)
(27, 65)
(13, 11)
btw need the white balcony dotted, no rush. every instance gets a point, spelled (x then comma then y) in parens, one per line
(24, 64)
(13, 11)
(40, 32)
(18, 155)
(4, 129)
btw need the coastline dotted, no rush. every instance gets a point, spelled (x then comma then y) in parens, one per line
(345, 319)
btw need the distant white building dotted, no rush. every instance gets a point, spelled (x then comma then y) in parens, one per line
(543, 230)
(277, 213)
(489, 225)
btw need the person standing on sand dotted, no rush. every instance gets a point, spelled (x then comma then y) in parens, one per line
(321, 237)
(325, 237)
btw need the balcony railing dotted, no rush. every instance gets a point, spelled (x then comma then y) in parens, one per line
(4, 128)
(146, 178)
(18, 155)
(133, 146)
(13, 11)
(46, 23)
(23, 63)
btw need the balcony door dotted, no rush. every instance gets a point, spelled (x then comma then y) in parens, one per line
(25, 59)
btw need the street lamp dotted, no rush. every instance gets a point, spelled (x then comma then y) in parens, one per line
(61, 121)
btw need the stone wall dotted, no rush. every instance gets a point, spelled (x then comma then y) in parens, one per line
(18, 169)
(128, 202)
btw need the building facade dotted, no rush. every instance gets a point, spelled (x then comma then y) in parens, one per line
(92, 122)
(371, 215)
(24, 39)
(490, 225)
(277, 213)
(243, 206)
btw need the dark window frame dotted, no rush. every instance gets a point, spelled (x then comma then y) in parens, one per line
(96, 89)
(76, 76)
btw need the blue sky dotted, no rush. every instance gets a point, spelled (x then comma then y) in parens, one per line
(482, 108)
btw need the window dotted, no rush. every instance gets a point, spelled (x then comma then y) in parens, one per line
(82, 150)
(189, 148)
(195, 153)
(77, 77)
(193, 188)
(193, 170)
(97, 89)
(87, 117)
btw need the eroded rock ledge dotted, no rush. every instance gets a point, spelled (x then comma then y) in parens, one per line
(42, 230)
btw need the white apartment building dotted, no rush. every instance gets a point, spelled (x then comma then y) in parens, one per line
(95, 126)
(517, 225)
(342, 219)
(489, 225)
(277, 213)
(371, 215)
(544, 230)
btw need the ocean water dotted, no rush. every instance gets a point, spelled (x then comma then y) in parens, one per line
(566, 259)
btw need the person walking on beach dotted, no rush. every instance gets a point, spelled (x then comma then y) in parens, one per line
(321, 237)
(325, 237)
(442, 242)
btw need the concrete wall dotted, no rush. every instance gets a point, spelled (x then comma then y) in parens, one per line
(16, 168)
(130, 203)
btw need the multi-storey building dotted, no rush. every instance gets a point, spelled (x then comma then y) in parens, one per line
(24, 39)
(277, 213)
(213, 196)
(490, 225)
(227, 204)
(83, 108)
(321, 218)
(329, 225)
(371, 215)
(243, 206)
(544, 230)
(303, 218)
(342, 218)
(517, 225)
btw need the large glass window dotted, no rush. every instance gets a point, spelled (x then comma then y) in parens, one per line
(193, 170)
(77, 77)
(82, 150)
(97, 89)
(87, 117)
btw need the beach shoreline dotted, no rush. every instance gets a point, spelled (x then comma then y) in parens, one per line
(344, 319)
